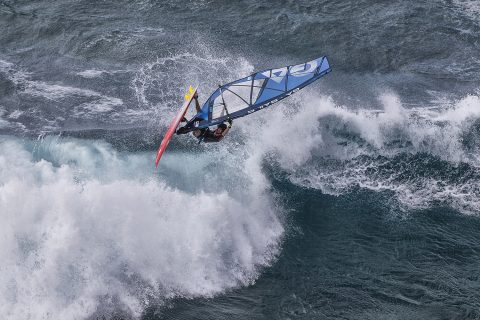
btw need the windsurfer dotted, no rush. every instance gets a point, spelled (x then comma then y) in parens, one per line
(206, 134)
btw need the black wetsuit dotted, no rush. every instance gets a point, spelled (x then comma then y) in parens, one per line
(209, 136)
(205, 135)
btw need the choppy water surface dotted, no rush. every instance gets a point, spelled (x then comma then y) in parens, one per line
(357, 198)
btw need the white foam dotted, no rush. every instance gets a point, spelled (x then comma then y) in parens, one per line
(39, 88)
(303, 137)
(71, 236)
(470, 7)
(55, 91)
(95, 103)
(15, 114)
(93, 108)
(91, 73)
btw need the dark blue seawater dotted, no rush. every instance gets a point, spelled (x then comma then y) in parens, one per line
(356, 198)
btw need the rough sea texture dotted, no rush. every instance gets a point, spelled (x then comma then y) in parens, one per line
(356, 198)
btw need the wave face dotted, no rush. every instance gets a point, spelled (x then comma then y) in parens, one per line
(357, 197)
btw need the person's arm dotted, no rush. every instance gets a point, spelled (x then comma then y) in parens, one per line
(197, 105)
(224, 133)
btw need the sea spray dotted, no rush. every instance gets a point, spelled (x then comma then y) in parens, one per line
(72, 237)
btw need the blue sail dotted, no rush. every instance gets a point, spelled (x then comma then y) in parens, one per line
(257, 91)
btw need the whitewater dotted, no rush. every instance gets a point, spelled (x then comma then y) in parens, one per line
(357, 197)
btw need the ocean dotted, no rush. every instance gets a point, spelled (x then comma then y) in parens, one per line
(356, 198)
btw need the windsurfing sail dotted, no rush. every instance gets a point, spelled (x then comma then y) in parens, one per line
(174, 123)
(257, 91)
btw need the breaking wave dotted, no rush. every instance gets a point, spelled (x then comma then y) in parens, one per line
(87, 229)
(423, 156)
